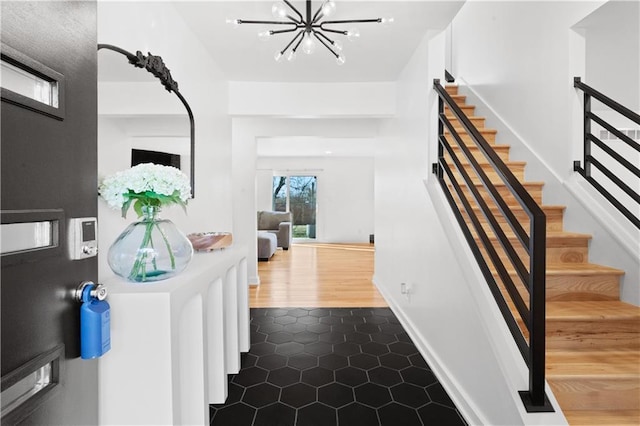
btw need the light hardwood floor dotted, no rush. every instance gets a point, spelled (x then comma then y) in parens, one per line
(317, 275)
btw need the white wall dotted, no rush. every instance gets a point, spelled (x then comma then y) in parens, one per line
(612, 36)
(519, 71)
(612, 66)
(264, 186)
(327, 99)
(344, 195)
(156, 27)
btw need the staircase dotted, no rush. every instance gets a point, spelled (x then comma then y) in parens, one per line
(592, 338)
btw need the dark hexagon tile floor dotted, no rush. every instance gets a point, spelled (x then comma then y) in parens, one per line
(337, 366)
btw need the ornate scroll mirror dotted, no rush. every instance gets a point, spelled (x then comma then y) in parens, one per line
(139, 120)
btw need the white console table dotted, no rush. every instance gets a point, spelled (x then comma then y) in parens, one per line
(173, 342)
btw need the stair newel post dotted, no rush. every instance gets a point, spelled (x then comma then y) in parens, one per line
(587, 133)
(535, 399)
(436, 83)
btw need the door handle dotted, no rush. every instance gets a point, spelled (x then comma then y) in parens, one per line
(98, 291)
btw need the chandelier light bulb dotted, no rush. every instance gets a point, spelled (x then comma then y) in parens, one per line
(234, 22)
(328, 8)
(278, 56)
(264, 35)
(353, 34)
(291, 56)
(387, 21)
(308, 44)
(337, 44)
(279, 10)
(340, 60)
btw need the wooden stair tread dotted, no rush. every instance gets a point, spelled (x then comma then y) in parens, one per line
(566, 239)
(562, 269)
(486, 166)
(554, 238)
(449, 115)
(547, 208)
(603, 418)
(508, 163)
(496, 147)
(463, 131)
(593, 310)
(462, 107)
(581, 269)
(593, 364)
(530, 184)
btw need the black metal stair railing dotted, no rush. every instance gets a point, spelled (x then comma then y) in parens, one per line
(621, 177)
(529, 277)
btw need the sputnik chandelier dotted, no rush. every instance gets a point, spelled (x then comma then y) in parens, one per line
(309, 28)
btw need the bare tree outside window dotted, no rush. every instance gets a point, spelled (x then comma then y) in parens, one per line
(279, 199)
(302, 192)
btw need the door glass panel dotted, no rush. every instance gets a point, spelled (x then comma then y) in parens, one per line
(279, 199)
(25, 388)
(17, 237)
(30, 85)
(302, 203)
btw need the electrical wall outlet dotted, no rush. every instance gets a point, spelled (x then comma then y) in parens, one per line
(405, 289)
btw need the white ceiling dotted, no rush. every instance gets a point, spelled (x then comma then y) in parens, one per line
(379, 55)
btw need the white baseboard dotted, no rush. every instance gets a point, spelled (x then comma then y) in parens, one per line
(453, 389)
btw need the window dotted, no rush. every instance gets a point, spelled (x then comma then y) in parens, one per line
(28, 83)
(297, 194)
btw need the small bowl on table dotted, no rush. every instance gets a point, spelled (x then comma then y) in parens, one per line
(209, 241)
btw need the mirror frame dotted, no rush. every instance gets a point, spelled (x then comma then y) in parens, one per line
(155, 65)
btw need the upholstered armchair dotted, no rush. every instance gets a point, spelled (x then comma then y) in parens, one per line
(278, 223)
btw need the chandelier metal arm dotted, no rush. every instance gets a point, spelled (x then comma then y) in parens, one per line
(295, 10)
(351, 21)
(330, 30)
(318, 15)
(295, 48)
(243, 21)
(298, 22)
(273, 32)
(318, 33)
(324, 43)
(300, 33)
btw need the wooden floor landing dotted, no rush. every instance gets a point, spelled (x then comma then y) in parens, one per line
(317, 275)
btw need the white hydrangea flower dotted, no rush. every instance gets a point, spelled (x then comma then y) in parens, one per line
(146, 177)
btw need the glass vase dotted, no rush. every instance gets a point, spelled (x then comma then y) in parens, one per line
(151, 249)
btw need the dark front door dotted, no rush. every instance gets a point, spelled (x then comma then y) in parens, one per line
(48, 168)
